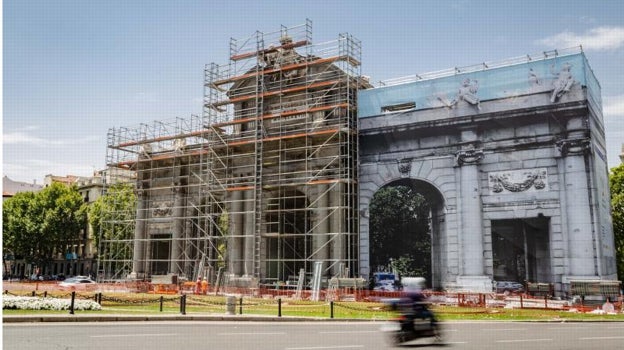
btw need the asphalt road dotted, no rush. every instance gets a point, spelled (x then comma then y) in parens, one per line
(232, 335)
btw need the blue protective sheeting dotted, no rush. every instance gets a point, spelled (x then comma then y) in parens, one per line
(537, 76)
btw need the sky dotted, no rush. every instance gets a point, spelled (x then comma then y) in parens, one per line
(74, 69)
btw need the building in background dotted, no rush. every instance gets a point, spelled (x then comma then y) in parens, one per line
(10, 187)
(67, 180)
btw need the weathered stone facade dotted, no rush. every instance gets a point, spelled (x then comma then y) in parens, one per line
(512, 162)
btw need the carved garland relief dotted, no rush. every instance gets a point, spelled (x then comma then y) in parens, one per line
(162, 209)
(518, 181)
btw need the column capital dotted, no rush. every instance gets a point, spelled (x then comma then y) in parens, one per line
(469, 156)
(580, 146)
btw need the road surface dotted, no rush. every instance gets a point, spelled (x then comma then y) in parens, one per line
(232, 335)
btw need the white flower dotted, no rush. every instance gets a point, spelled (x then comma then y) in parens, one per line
(34, 303)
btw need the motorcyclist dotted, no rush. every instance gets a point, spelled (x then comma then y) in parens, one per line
(413, 289)
(416, 320)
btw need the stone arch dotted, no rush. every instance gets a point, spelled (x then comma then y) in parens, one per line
(436, 181)
(437, 212)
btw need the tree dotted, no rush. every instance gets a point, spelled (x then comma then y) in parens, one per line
(113, 219)
(223, 223)
(38, 225)
(112, 216)
(399, 231)
(616, 184)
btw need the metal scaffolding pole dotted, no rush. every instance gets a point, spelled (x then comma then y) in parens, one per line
(264, 183)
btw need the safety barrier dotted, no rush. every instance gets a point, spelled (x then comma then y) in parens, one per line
(268, 298)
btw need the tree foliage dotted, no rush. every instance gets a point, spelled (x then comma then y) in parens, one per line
(38, 225)
(224, 223)
(616, 184)
(112, 216)
(399, 231)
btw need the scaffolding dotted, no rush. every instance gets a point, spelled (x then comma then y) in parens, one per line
(264, 183)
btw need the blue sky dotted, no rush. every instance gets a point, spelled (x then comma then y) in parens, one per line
(74, 69)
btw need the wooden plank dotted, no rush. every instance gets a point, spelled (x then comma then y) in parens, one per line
(269, 50)
(276, 92)
(288, 67)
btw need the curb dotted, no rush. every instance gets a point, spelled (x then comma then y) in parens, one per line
(144, 318)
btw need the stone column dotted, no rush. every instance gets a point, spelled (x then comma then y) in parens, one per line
(337, 227)
(578, 224)
(250, 232)
(178, 229)
(471, 231)
(188, 233)
(235, 238)
(138, 256)
(320, 246)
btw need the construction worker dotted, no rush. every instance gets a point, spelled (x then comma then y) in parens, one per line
(204, 286)
(198, 285)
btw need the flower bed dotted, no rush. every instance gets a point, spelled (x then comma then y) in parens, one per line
(33, 303)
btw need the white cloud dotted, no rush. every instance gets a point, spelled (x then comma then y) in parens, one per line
(29, 170)
(600, 38)
(613, 106)
(613, 110)
(21, 137)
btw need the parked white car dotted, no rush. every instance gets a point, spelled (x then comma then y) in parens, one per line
(78, 283)
(508, 287)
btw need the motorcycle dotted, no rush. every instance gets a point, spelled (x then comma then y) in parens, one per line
(413, 323)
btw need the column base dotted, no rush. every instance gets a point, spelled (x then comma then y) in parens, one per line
(567, 278)
(136, 276)
(476, 284)
(244, 281)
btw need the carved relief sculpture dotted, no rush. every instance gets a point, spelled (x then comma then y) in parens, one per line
(518, 181)
(162, 209)
(405, 166)
(563, 82)
(468, 92)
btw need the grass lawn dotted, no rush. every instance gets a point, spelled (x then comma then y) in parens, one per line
(124, 303)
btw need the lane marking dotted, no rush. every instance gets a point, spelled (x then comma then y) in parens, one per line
(254, 333)
(565, 328)
(602, 338)
(327, 347)
(347, 332)
(134, 335)
(521, 340)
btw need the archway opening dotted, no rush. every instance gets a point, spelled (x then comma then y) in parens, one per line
(521, 250)
(160, 247)
(404, 218)
(287, 244)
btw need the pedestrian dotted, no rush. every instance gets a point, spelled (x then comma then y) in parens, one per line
(608, 307)
(204, 286)
(198, 285)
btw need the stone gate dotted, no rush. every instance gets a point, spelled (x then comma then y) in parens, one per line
(511, 159)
